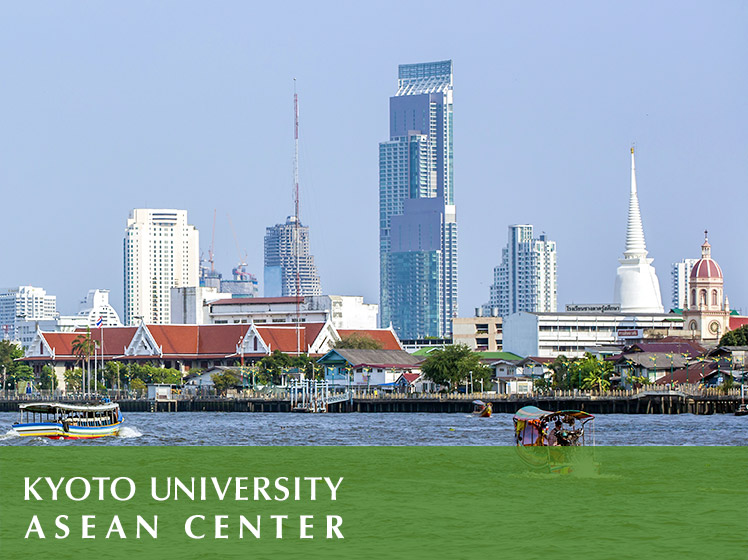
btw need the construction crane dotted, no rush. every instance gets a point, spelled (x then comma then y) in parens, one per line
(240, 272)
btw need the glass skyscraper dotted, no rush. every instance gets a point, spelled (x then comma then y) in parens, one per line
(281, 261)
(417, 217)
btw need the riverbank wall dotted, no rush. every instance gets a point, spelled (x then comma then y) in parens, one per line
(642, 403)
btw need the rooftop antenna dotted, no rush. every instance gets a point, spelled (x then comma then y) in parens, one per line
(212, 244)
(297, 239)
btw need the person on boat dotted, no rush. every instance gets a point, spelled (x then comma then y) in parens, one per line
(553, 436)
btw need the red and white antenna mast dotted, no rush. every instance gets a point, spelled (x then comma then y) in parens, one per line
(297, 222)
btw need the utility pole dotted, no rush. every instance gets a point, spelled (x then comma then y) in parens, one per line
(297, 229)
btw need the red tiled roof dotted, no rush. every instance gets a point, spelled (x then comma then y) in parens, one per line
(669, 346)
(411, 377)
(282, 336)
(385, 337)
(116, 339)
(737, 322)
(692, 374)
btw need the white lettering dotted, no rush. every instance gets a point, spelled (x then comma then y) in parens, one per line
(279, 525)
(221, 491)
(282, 488)
(304, 526)
(151, 530)
(30, 489)
(260, 489)
(68, 491)
(115, 495)
(219, 526)
(313, 486)
(333, 524)
(116, 526)
(188, 526)
(60, 525)
(333, 489)
(254, 529)
(85, 526)
(154, 484)
(35, 527)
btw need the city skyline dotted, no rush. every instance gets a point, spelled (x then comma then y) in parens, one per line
(543, 138)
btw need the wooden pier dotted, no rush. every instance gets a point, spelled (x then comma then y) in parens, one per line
(623, 402)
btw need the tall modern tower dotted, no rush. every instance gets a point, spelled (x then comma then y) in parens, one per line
(637, 288)
(161, 253)
(282, 242)
(417, 216)
(526, 278)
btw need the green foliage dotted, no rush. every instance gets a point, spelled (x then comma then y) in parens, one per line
(47, 378)
(581, 373)
(452, 366)
(224, 380)
(73, 378)
(358, 341)
(9, 352)
(737, 337)
(137, 384)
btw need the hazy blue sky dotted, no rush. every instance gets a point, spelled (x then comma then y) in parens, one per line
(108, 106)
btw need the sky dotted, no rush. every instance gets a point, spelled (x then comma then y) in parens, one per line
(109, 106)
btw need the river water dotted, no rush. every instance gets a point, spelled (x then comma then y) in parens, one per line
(222, 428)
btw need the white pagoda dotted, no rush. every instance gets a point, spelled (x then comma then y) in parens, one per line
(637, 288)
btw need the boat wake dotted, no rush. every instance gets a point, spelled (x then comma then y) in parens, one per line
(129, 432)
(10, 434)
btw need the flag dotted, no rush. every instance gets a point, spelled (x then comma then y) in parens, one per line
(100, 322)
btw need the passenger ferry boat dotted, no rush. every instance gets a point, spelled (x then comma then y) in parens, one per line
(68, 421)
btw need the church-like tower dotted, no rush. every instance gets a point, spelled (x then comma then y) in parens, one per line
(637, 288)
(706, 314)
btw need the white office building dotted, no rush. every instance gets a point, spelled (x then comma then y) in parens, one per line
(526, 278)
(20, 307)
(680, 274)
(161, 252)
(571, 333)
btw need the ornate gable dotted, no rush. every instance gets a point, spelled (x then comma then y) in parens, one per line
(143, 343)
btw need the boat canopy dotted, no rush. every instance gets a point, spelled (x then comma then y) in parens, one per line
(52, 406)
(528, 413)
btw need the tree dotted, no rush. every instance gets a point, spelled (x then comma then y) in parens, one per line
(737, 337)
(358, 341)
(453, 366)
(271, 367)
(47, 379)
(224, 380)
(21, 372)
(73, 378)
(9, 352)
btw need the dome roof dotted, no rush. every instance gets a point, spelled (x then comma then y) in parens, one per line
(706, 267)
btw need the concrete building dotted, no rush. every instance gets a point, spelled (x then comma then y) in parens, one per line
(680, 274)
(548, 335)
(417, 215)
(95, 306)
(190, 305)
(282, 242)
(206, 306)
(526, 278)
(480, 333)
(637, 289)
(161, 252)
(21, 308)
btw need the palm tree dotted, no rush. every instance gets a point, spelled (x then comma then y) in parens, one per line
(84, 347)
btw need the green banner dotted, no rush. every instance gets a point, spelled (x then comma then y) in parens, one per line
(363, 502)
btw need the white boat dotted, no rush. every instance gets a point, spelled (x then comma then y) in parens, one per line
(68, 421)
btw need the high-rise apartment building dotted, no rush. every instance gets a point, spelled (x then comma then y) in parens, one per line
(282, 243)
(417, 216)
(21, 305)
(680, 274)
(526, 278)
(161, 251)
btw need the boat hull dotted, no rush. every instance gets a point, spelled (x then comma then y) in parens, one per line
(58, 431)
